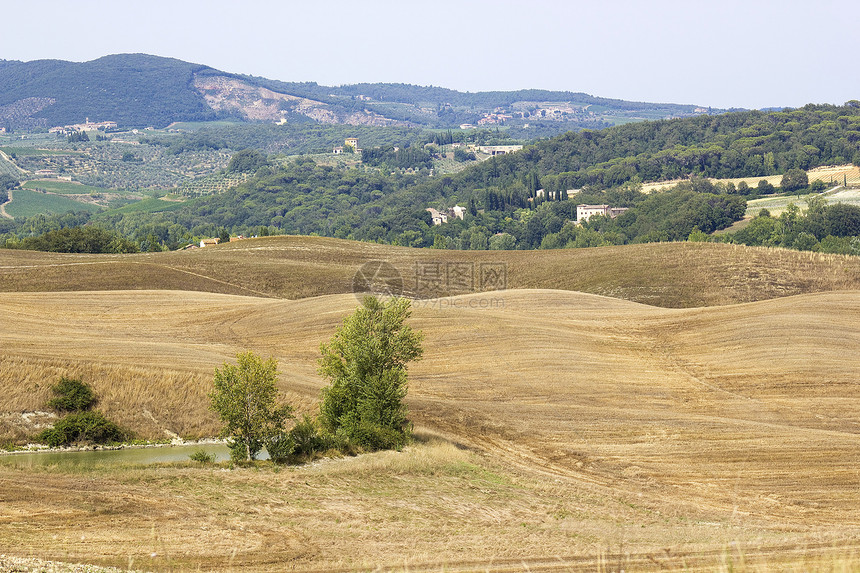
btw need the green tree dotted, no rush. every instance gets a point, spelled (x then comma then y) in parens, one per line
(794, 180)
(365, 363)
(502, 242)
(247, 161)
(245, 398)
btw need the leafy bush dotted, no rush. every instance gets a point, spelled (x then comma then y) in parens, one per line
(302, 442)
(280, 448)
(82, 427)
(72, 395)
(203, 457)
(306, 438)
(247, 161)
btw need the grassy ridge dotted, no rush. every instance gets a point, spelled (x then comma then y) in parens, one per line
(659, 274)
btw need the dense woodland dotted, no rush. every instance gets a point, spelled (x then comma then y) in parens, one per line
(738, 144)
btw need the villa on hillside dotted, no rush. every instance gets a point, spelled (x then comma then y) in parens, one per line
(209, 242)
(437, 217)
(352, 142)
(585, 212)
(498, 149)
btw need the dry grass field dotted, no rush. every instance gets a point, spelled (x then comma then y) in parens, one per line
(560, 430)
(831, 175)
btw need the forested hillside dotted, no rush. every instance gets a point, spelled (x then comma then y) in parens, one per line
(134, 90)
(738, 144)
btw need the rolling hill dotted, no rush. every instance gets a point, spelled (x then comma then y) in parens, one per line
(660, 274)
(584, 423)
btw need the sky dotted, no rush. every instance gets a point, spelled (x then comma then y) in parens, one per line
(723, 54)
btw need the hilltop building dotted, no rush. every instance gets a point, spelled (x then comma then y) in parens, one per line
(352, 142)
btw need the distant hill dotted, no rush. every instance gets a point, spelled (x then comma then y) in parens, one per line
(139, 90)
(132, 90)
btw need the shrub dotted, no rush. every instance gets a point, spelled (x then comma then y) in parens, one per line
(306, 438)
(72, 395)
(302, 442)
(280, 448)
(82, 427)
(203, 457)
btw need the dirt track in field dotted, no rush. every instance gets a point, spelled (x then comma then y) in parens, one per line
(743, 414)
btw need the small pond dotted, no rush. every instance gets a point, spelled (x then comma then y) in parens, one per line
(129, 455)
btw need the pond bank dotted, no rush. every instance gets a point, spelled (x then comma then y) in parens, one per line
(136, 454)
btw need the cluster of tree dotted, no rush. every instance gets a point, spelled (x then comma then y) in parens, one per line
(77, 137)
(7, 182)
(79, 239)
(826, 228)
(361, 409)
(300, 198)
(247, 161)
(411, 157)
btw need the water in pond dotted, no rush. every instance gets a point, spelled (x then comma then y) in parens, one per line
(134, 456)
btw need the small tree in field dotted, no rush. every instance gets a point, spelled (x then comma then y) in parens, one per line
(245, 398)
(365, 361)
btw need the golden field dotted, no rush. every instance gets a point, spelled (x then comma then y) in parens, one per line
(714, 429)
(830, 174)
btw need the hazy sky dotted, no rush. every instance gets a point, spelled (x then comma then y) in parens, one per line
(724, 53)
